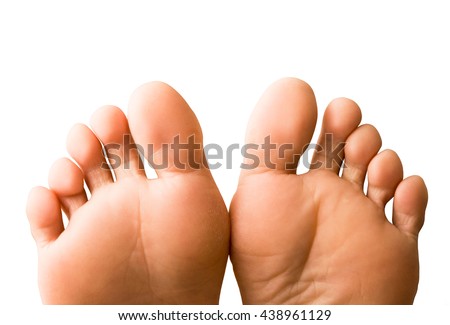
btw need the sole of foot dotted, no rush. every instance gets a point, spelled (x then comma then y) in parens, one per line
(135, 240)
(318, 238)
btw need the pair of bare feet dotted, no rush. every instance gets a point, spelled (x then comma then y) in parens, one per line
(314, 238)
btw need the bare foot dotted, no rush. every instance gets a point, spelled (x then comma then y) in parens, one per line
(317, 238)
(160, 241)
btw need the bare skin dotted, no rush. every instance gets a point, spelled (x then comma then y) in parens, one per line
(318, 238)
(130, 243)
(315, 238)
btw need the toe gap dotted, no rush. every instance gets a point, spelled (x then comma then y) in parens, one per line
(366, 184)
(110, 167)
(149, 171)
(388, 210)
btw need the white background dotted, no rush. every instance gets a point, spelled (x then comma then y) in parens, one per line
(59, 61)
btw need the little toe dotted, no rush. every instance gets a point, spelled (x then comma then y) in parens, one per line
(410, 202)
(280, 127)
(44, 215)
(87, 151)
(362, 145)
(163, 124)
(66, 181)
(340, 119)
(385, 172)
(111, 127)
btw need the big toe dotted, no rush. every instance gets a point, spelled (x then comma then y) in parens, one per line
(281, 127)
(166, 129)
